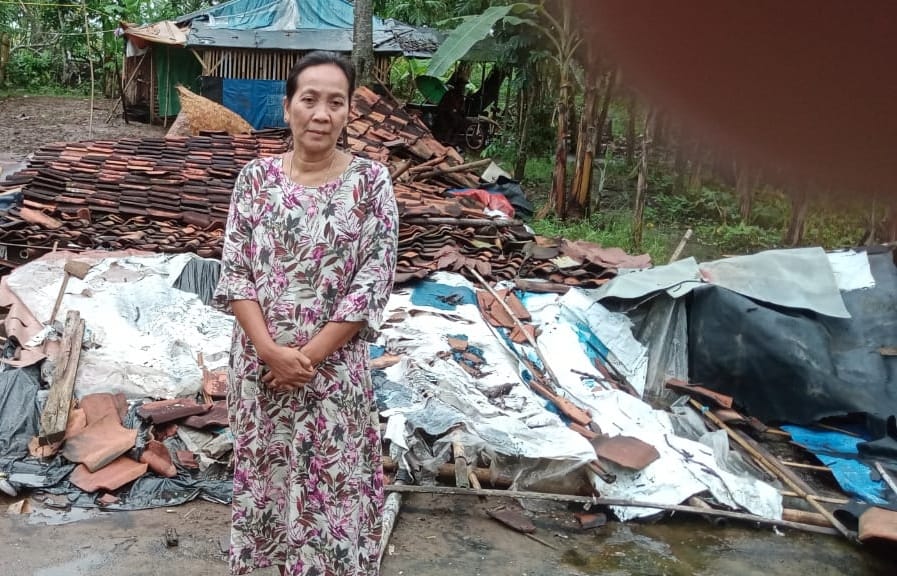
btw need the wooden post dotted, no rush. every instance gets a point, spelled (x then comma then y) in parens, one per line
(460, 458)
(56, 412)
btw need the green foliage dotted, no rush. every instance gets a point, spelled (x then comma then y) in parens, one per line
(610, 229)
(469, 32)
(31, 70)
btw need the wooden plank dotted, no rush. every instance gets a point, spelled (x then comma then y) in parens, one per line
(56, 412)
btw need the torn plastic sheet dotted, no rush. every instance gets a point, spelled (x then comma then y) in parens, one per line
(779, 277)
(19, 410)
(145, 335)
(151, 491)
(686, 467)
(840, 453)
(435, 394)
(851, 270)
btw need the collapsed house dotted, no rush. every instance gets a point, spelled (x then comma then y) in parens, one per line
(521, 362)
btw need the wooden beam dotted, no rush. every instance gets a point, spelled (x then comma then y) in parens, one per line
(595, 501)
(56, 412)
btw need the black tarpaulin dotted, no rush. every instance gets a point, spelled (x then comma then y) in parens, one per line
(795, 366)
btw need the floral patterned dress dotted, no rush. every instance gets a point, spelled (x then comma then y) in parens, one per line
(308, 485)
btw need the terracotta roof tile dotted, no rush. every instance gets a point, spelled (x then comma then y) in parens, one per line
(172, 195)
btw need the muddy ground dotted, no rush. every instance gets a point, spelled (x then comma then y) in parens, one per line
(434, 535)
(28, 122)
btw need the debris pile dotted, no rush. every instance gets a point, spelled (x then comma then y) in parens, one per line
(172, 195)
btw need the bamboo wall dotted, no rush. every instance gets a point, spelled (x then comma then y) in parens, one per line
(247, 64)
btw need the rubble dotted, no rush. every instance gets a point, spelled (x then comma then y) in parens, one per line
(171, 195)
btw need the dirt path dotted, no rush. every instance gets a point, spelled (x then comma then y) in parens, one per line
(29, 122)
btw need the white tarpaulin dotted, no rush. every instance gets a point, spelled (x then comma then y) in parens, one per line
(144, 338)
(803, 278)
(436, 394)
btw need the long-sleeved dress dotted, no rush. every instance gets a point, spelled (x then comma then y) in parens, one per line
(308, 486)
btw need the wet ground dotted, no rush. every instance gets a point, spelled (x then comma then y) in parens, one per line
(435, 535)
(29, 122)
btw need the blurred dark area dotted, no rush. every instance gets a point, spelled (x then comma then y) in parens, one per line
(805, 89)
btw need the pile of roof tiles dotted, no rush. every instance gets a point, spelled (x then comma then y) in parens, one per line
(172, 195)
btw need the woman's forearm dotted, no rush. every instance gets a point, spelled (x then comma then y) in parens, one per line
(249, 314)
(332, 337)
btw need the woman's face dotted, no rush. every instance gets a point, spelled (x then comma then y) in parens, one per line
(319, 109)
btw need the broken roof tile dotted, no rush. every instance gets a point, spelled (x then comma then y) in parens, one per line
(119, 472)
(163, 411)
(99, 443)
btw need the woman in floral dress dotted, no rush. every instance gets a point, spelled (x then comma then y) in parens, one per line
(307, 268)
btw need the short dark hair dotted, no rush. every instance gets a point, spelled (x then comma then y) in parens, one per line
(319, 58)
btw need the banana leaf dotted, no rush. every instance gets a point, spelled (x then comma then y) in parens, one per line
(468, 33)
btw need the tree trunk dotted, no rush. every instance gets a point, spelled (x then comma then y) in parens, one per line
(696, 178)
(799, 204)
(680, 168)
(600, 131)
(363, 42)
(585, 152)
(641, 189)
(744, 189)
(632, 111)
(559, 180)
(526, 105)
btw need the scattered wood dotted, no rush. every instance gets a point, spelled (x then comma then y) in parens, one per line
(56, 412)
(460, 461)
(678, 251)
(71, 268)
(572, 411)
(772, 464)
(391, 509)
(596, 501)
(714, 520)
(886, 477)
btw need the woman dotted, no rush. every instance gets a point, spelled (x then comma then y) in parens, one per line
(307, 268)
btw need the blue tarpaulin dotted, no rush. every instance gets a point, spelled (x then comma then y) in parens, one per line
(280, 15)
(441, 296)
(259, 102)
(839, 452)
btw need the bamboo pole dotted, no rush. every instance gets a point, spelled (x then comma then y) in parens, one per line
(391, 509)
(826, 499)
(783, 473)
(886, 477)
(805, 466)
(678, 251)
(90, 65)
(596, 501)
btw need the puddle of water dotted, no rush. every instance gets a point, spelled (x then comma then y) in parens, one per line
(41, 516)
(77, 567)
(696, 549)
